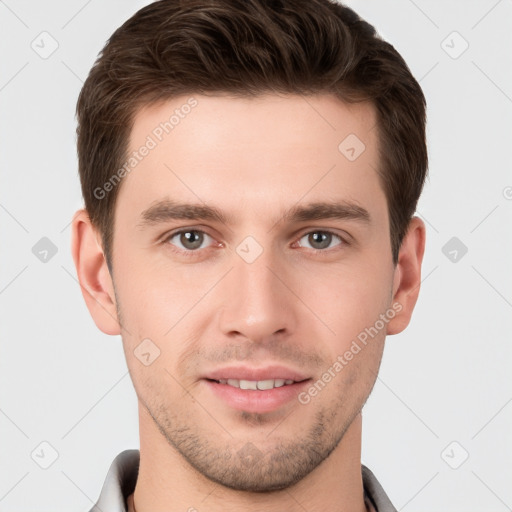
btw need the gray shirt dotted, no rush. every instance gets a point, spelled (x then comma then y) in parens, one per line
(122, 477)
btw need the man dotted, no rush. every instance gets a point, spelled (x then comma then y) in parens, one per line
(250, 171)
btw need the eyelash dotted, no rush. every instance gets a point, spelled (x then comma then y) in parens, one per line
(194, 253)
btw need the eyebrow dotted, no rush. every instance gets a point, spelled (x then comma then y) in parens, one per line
(166, 210)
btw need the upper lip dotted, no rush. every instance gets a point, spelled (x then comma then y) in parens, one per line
(246, 373)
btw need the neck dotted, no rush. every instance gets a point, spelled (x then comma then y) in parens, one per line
(166, 482)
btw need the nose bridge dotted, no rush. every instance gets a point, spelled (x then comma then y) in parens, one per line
(257, 304)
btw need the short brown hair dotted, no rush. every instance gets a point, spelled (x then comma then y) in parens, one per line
(249, 47)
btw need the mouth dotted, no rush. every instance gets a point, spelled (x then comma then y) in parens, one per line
(257, 390)
(256, 384)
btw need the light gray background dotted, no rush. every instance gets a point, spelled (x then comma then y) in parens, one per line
(445, 379)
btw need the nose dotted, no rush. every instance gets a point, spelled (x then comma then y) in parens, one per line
(259, 300)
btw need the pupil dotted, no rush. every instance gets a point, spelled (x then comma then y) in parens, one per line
(320, 237)
(188, 238)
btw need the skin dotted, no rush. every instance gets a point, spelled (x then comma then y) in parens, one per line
(253, 159)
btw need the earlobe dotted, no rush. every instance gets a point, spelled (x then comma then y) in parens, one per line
(407, 278)
(93, 274)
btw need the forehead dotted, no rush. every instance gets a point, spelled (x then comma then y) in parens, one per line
(252, 153)
(213, 118)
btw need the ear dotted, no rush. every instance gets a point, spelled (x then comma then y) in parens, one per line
(407, 277)
(93, 274)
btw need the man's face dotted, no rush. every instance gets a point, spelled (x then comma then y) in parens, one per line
(260, 294)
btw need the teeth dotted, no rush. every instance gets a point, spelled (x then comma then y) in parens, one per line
(264, 384)
(256, 384)
(248, 384)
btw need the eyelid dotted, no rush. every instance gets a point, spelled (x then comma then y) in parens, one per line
(346, 237)
(171, 234)
(344, 240)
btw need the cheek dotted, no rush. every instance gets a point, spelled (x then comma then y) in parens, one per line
(348, 298)
(155, 298)
(156, 385)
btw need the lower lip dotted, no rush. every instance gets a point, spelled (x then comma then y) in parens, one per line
(255, 400)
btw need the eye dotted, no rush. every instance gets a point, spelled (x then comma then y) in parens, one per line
(188, 240)
(320, 240)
